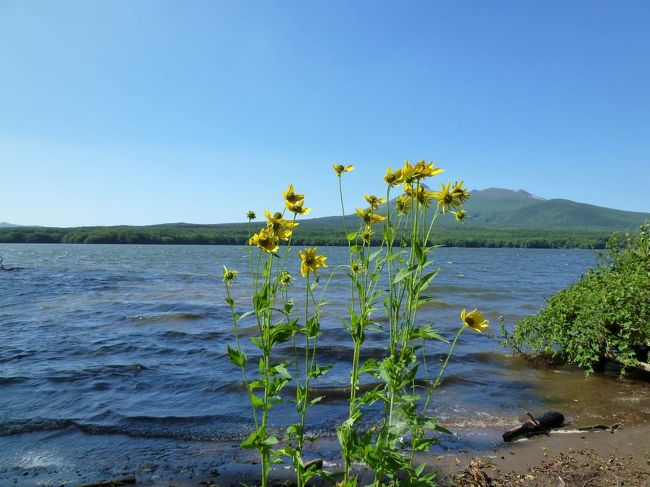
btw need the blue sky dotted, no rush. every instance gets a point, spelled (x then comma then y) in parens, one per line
(142, 112)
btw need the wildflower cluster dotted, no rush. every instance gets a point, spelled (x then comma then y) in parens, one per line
(403, 257)
(277, 228)
(273, 310)
(395, 274)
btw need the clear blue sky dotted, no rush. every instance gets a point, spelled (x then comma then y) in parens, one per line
(141, 112)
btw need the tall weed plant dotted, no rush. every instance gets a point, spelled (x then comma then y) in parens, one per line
(387, 284)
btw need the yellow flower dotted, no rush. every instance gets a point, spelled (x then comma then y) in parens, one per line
(426, 169)
(374, 202)
(357, 267)
(369, 217)
(310, 262)
(408, 173)
(285, 278)
(291, 197)
(266, 240)
(393, 178)
(276, 221)
(474, 320)
(460, 215)
(366, 234)
(297, 208)
(281, 227)
(340, 169)
(421, 193)
(229, 275)
(403, 203)
(445, 198)
(459, 193)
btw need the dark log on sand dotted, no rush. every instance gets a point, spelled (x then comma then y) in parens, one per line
(536, 426)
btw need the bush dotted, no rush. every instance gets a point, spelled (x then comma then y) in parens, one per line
(604, 316)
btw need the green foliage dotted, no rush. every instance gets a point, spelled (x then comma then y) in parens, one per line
(312, 232)
(388, 448)
(605, 315)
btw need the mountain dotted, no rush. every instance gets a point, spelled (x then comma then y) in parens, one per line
(519, 209)
(496, 218)
(7, 225)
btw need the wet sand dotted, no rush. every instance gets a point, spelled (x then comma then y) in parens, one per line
(565, 457)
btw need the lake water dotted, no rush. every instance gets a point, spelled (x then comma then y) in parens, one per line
(112, 358)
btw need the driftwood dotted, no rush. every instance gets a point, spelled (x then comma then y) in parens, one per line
(536, 426)
(601, 427)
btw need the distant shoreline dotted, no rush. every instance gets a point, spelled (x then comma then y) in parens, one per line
(310, 235)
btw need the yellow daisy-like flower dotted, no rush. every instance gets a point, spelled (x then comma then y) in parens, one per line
(340, 169)
(310, 261)
(366, 234)
(275, 220)
(357, 267)
(408, 173)
(291, 197)
(474, 320)
(369, 217)
(421, 193)
(229, 275)
(403, 203)
(426, 169)
(459, 193)
(297, 208)
(285, 279)
(374, 202)
(281, 227)
(393, 178)
(445, 198)
(266, 240)
(460, 215)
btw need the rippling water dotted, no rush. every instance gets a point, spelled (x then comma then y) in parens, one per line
(113, 357)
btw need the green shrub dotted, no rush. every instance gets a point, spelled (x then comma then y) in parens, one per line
(604, 316)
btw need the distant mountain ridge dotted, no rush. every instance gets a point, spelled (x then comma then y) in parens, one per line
(521, 209)
(495, 209)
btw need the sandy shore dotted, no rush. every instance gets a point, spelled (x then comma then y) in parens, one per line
(566, 457)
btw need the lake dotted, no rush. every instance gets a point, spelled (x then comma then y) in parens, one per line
(112, 358)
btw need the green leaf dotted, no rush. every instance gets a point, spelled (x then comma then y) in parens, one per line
(252, 441)
(374, 255)
(317, 371)
(237, 357)
(270, 441)
(312, 328)
(281, 370)
(427, 332)
(258, 403)
(403, 273)
(425, 280)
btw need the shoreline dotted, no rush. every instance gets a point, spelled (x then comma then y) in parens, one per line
(565, 457)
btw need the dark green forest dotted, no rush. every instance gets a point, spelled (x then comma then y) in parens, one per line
(308, 234)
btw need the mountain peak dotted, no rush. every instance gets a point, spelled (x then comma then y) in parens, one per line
(502, 193)
(530, 195)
